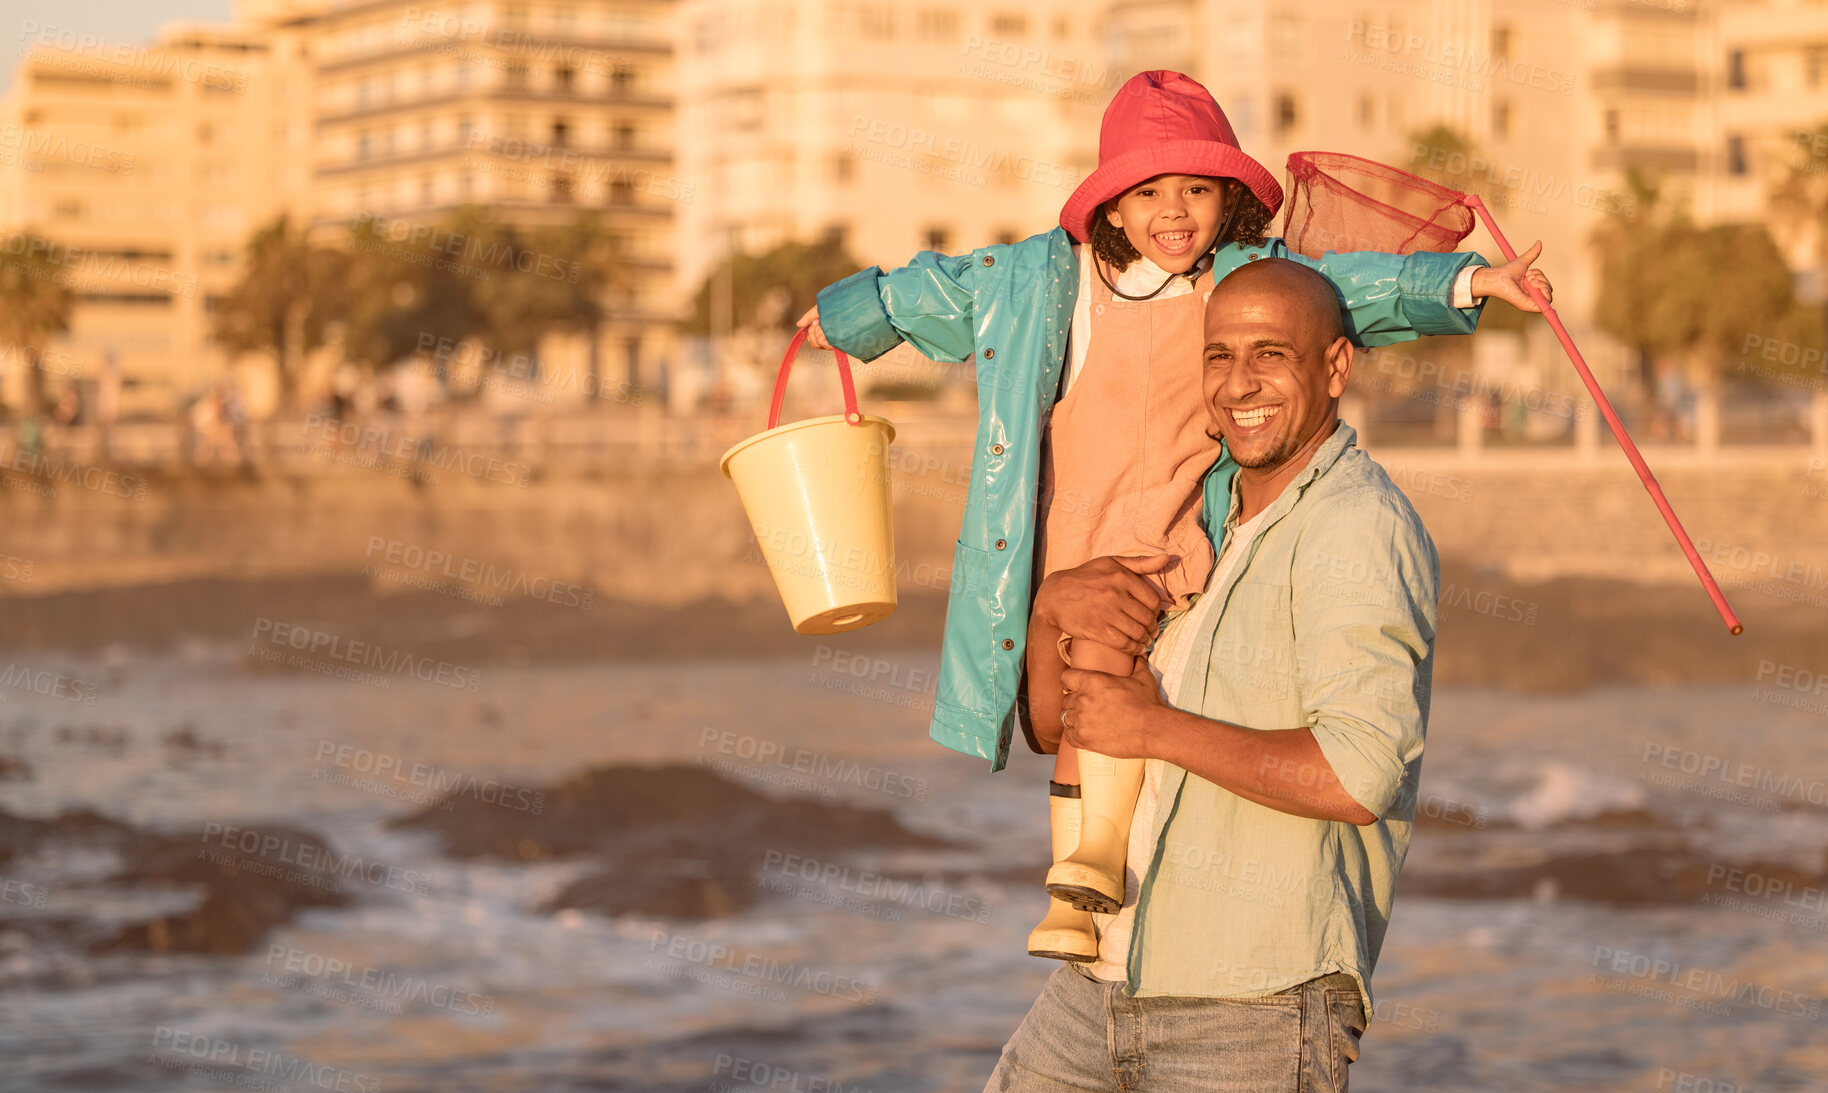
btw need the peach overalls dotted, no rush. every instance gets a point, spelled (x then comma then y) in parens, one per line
(1124, 453)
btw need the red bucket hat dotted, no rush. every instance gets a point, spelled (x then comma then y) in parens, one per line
(1163, 123)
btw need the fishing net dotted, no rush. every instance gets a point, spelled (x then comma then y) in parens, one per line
(1338, 202)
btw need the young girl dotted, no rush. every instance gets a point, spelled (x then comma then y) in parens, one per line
(1090, 416)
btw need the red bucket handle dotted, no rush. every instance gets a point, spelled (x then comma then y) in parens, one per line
(851, 413)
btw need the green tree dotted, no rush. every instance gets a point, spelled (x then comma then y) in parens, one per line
(288, 294)
(34, 306)
(1671, 289)
(769, 291)
(406, 293)
(555, 278)
(1690, 296)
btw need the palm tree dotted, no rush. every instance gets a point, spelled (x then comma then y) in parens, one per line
(34, 305)
(288, 293)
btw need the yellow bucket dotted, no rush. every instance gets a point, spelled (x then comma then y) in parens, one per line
(818, 497)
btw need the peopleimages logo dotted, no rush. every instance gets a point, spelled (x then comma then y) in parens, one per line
(362, 654)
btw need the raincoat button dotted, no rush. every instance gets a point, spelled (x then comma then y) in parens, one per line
(989, 261)
(1008, 644)
(996, 449)
(1253, 258)
(990, 354)
(1001, 543)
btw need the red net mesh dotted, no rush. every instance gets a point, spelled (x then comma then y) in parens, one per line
(1338, 202)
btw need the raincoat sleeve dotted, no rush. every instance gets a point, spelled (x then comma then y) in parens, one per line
(1395, 297)
(926, 303)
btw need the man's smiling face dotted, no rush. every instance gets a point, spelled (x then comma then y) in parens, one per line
(1276, 362)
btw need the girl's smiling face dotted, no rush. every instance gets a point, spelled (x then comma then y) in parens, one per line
(1171, 220)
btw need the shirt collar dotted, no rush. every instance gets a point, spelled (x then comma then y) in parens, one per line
(1329, 452)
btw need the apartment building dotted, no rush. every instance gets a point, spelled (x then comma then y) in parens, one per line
(139, 171)
(1768, 78)
(896, 127)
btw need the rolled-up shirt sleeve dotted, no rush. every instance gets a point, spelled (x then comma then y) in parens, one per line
(1364, 592)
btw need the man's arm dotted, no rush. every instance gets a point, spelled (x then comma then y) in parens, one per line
(1281, 769)
(1365, 582)
(1106, 601)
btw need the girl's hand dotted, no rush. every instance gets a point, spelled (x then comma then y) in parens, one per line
(815, 334)
(1506, 282)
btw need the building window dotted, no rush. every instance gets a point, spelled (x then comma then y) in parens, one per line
(1062, 28)
(1287, 115)
(515, 76)
(843, 167)
(621, 192)
(561, 189)
(1367, 110)
(1612, 126)
(463, 75)
(1501, 42)
(362, 145)
(1815, 67)
(1501, 119)
(425, 189)
(561, 133)
(561, 79)
(1735, 154)
(934, 238)
(1015, 26)
(1735, 69)
(464, 128)
(624, 135)
(936, 24)
(425, 134)
(621, 79)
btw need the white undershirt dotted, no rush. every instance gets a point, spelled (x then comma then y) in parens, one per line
(1168, 660)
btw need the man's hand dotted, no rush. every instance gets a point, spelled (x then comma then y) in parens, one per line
(1105, 601)
(1506, 282)
(1109, 714)
(815, 335)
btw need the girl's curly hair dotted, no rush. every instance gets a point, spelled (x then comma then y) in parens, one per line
(1250, 221)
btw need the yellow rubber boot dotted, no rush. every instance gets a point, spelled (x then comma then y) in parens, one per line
(1067, 933)
(1091, 878)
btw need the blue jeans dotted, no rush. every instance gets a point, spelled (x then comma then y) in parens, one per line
(1086, 1034)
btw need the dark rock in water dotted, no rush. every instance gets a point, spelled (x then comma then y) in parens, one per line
(676, 841)
(1676, 874)
(241, 895)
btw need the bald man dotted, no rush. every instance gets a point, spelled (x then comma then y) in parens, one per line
(1282, 718)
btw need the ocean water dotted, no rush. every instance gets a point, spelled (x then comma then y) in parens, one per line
(457, 980)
